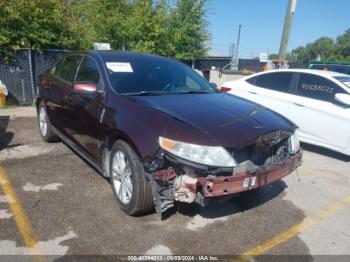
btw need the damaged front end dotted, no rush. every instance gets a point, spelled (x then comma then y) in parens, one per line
(266, 160)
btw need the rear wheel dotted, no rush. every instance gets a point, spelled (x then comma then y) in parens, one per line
(130, 187)
(44, 125)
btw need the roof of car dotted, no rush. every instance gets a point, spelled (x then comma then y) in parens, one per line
(108, 54)
(310, 71)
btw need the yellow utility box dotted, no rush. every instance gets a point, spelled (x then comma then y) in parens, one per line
(2, 99)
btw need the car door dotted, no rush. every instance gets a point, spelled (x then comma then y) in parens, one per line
(322, 120)
(271, 90)
(57, 89)
(87, 108)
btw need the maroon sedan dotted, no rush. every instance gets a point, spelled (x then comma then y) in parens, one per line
(159, 131)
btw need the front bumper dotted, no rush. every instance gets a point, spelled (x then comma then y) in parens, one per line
(185, 182)
(224, 185)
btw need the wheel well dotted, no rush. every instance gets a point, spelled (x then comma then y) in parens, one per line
(107, 147)
(37, 102)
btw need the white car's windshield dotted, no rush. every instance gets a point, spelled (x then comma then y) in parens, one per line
(344, 79)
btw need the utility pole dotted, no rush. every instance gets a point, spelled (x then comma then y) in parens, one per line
(286, 29)
(236, 49)
(232, 63)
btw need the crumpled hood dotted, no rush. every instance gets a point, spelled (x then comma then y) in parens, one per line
(224, 119)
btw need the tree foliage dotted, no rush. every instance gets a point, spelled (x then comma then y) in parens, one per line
(38, 24)
(327, 48)
(176, 28)
(188, 29)
(105, 19)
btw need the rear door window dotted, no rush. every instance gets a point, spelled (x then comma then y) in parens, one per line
(318, 87)
(67, 68)
(274, 81)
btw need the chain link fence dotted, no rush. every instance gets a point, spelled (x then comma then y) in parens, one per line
(21, 76)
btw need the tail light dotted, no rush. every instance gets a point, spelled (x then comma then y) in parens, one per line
(225, 89)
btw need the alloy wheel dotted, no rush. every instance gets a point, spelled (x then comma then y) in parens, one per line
(43, 121)
(121, 174)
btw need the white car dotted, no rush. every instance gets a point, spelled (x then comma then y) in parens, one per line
(317, 101)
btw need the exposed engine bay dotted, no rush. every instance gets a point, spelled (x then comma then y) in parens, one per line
(266, 160)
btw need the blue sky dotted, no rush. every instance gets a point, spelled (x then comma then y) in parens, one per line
(262, 23)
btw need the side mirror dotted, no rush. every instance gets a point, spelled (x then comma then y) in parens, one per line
(343, 98)
(214, 85)
(225, 89)
(85, 87)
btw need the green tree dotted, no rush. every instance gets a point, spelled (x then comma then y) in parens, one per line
(175, 28)
(188, 29)
(147, 27)
(106, 19)
(303, 54)
(343, 46)
(38, 24)
(327, 48)
(170, 28)
(25, 23)
(324, 46)
(79, 34)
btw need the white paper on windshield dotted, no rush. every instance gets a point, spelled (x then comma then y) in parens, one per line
(119, 67)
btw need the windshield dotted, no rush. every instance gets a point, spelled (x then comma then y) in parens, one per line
(344, 79)
(154, 76)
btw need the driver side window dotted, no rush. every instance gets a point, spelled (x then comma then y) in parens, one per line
(88, 73)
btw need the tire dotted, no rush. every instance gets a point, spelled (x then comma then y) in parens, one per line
(130, 186)
(44, 125)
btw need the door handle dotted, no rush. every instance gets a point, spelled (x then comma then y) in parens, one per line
(254, 93)
(297, 104)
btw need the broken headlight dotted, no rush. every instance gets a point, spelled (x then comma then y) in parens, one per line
(207, 155)
(294, 144)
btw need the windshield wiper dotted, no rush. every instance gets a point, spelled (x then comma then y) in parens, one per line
(143, 93)
(195, 92)
(149, 93)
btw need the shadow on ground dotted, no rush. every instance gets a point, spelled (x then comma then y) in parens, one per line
(5, 136)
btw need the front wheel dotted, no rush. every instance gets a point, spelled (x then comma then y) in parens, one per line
(44, 125)
(130, 187)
